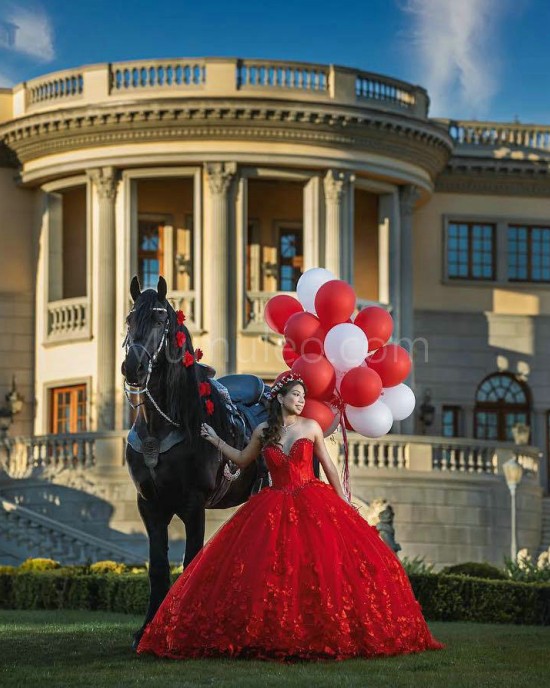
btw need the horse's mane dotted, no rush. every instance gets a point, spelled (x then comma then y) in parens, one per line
(179, 382)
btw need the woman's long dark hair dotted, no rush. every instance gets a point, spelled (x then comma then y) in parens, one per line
(272, 433)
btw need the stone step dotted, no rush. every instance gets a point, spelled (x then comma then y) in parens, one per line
(26, 533)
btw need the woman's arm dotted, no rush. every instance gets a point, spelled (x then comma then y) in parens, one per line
(241, 458)
(326, 462)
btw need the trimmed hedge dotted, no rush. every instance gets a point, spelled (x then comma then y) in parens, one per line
(464, 598)
(476, 570)
(443, 598)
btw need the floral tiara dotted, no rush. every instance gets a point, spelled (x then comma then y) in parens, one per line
(284, 380)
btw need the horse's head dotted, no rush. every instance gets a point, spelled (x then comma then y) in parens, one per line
(148, 332)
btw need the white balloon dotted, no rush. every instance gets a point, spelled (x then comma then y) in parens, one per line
(309, 284)
(400, 400)
(346, 346)
(372, 421)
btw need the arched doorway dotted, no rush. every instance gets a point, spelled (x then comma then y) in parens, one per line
(501, 401)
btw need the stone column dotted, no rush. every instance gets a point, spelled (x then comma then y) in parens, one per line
(104, 293)
(408, 195)
(219, 274)
(338, 248)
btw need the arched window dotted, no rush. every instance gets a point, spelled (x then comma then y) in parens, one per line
(501, 401)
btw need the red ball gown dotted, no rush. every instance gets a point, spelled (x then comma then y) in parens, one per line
(295, 574)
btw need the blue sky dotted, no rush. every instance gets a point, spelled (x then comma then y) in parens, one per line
(484, 59)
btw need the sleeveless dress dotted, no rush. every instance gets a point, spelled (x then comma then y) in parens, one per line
(295, 574)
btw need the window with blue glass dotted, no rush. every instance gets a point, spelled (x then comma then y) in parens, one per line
(291, 258)
(450, 419)
(150, 254)
(471, 251)
(502, 401)
(528, 253)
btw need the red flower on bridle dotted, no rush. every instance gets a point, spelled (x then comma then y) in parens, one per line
(180, 317)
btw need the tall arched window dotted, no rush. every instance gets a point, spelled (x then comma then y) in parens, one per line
(501, 401)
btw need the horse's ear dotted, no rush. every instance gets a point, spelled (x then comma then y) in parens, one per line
(162, 288)
(135, 289)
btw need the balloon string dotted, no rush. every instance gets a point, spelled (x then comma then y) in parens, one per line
(345, 469)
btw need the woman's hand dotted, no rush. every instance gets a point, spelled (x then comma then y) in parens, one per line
(208, 433)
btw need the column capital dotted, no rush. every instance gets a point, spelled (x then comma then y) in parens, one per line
(408, 195)
(220, 176)
(334, 183)
(105, 180)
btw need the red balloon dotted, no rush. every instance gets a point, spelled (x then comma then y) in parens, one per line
(334, 303)
(305, 334)
(279, 309)
(392, 363)
(319, 411)
(317, 374)
(361, 386)
(376, 323)
(289, 355)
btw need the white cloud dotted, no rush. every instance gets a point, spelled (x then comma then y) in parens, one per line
(31, 31)
(456, 56)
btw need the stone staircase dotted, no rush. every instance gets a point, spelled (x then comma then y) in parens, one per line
(26, 533)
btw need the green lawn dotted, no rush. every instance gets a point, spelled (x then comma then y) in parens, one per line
(73, 648)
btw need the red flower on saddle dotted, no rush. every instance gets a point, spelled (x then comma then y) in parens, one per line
(180, 317)
(180, 338)
(198, 354)
(188, 359)
(204, 389)
(209, 407)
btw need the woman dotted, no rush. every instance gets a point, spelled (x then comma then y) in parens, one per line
(296, 573)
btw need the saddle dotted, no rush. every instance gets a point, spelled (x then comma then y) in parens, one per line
(247, 408)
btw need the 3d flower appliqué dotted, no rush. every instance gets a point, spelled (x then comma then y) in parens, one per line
(180, 338)
(180, 317)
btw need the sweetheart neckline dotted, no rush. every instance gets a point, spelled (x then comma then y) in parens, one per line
(300, 439)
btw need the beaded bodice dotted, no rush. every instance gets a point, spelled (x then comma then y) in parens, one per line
(289, 471)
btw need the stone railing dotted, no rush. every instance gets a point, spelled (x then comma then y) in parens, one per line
(218, 77)
(255, 302)
(186, 301)
(21, 457)
(156, 74)
(60, 86)
(438, 454)
(26, 533)
(68, 319)
(497, 134)
(292, 76)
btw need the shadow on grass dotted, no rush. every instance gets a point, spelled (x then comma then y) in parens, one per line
(93, 649)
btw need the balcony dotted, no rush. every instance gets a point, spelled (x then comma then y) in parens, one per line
(67, 320)
(218, 77)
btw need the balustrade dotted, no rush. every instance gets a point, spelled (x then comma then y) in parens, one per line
(220, 77)
(68, 319)
(495, 134)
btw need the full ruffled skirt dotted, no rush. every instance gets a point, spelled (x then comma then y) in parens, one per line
(293, 575)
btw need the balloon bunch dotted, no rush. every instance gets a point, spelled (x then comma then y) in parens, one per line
(354, 377)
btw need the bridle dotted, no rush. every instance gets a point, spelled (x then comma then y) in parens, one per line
(130, 389)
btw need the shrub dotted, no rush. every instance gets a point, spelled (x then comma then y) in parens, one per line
(416, 565)
(39, 565)
(475, 570)
(107, 567)
(526, 570)
(4, 568)
(464, 598)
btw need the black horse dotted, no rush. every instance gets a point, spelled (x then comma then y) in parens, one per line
(175, 471)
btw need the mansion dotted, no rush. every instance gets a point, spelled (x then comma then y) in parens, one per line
(230, 178)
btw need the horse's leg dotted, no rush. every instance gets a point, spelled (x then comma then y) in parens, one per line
(193, 517)
(156, 524)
